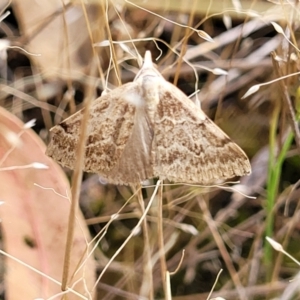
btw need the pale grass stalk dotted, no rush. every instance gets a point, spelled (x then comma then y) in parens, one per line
(3, 16)
(94, 243)
(66, 41)
(147, 282)
(223, 251)
(95, 54)
(46, 115)
(161, 246)
(256, 87)
(213, 287)
(155, 41)
(286, 233)
(132, 233)
(76, 184)
(113, 56)
(184, 45)
(180, 263)
(279, 248)
(167, 279)
(167, 283)
(32, 101)
(75, 191)
(34, 165)
(100, 235)
(201, 33)
(140, 61)
(77, 176)
(16, 137)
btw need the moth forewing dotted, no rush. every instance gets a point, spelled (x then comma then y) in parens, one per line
(110, 125)
(189, 146)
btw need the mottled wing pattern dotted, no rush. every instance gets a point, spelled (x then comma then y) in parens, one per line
(189, 147)
(149, 128)
(110, 125)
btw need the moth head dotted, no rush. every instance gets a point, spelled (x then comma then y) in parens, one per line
(148, 68)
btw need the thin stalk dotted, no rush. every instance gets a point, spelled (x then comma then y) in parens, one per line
(161, 246)
(147, 284)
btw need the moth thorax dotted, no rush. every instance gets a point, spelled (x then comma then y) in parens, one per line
(150, 87)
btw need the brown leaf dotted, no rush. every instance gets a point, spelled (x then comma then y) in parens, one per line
(34, 220)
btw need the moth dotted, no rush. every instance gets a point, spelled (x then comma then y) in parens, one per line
(149, 128)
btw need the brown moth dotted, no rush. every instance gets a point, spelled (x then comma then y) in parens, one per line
(149, 128)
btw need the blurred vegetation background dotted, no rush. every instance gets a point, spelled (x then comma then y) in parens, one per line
(49, 51)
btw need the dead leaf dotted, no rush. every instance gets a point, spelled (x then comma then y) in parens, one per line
(34, 220)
